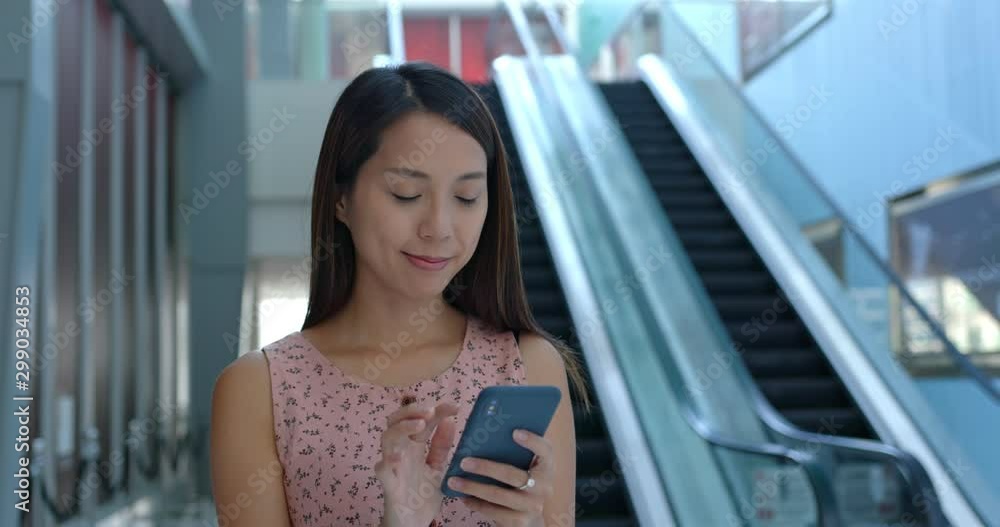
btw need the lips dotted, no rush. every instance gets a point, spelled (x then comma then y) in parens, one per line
(428, 259)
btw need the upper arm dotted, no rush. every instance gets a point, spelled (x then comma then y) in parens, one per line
(247, 478)
(544, 365)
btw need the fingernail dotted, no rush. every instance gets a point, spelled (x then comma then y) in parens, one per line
(468, 464)
(520, 434)
(455, 483)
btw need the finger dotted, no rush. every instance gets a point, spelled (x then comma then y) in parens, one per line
(510, 498)
(444, 437)
(399, 434)
(508, 474)
(537, 444)
(408, 412)
(441, 412)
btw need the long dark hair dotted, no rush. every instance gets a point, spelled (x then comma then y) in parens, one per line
(490, 286)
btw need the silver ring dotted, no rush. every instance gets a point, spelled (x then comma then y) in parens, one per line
(528, 484)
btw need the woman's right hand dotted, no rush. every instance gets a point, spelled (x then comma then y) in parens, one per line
(411, 473)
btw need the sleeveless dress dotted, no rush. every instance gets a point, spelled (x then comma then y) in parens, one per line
(328, 424)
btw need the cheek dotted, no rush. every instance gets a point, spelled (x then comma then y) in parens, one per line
(471, 231)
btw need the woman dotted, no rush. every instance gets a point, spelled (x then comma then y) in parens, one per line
(420, 305)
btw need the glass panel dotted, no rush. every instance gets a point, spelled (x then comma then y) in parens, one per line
(944, 246)
(770, 491)
(640, 34)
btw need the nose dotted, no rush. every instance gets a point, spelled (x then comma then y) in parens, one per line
(435, 223)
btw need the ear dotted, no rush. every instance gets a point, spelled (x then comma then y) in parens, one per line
(340, 209)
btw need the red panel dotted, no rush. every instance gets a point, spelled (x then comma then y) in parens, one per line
(427, 39)
(475, 62)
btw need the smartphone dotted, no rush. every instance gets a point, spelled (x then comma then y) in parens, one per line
(489, 433)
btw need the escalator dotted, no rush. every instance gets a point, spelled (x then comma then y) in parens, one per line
(776, 346)
(601, 494)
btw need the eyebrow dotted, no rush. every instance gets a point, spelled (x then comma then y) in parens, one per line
(409, 172)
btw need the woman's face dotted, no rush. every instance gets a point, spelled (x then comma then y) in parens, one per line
(423, 193)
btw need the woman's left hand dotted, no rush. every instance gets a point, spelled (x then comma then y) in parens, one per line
(510, 507)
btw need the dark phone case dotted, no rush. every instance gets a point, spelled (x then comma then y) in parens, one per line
(491, 436)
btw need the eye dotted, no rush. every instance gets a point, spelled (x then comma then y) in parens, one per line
(467, 202)
(405, 198)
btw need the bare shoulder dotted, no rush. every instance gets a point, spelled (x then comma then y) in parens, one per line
(244, 382)
(242, 444)
(542, 362)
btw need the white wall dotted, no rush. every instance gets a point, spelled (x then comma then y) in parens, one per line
(287, 118)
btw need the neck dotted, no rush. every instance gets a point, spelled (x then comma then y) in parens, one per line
(377, 320)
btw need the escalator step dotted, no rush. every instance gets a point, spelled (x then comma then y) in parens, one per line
(535, 254)
(803, 392)
(703, 219)
(746, 306)
(722, 259)
(708, 238)
(737, 283)
(681, 184)
(778, 334)
(593, 456)
(602, 495)
(677, 201)
(846, 422)
(544, 301)
(767, 363)
(587, 426)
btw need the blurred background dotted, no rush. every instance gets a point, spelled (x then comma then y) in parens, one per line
(770, 228)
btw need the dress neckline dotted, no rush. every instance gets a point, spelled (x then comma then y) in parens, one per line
(436, 379)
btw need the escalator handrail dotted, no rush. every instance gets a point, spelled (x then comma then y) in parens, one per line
(914, 473)
(818, 478)
(965, 364)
